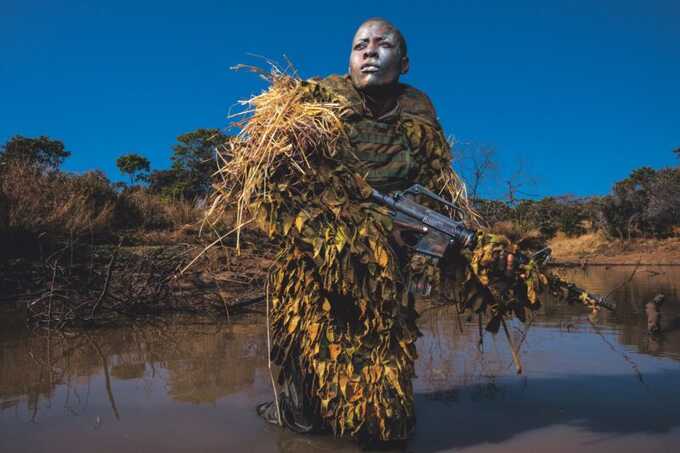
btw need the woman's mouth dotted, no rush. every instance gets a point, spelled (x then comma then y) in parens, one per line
(370, 68)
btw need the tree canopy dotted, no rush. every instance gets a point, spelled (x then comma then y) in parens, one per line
(193, 164)
(42, 151)
(133, 165)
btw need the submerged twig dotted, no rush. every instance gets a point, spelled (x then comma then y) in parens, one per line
(269, 359)
(624, 283)
(107, 378)
(626, 357)
(107, 282)
(513, 350)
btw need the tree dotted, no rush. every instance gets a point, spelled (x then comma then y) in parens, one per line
(662, 211)
(193, 164)
(44, 152)
(645, 203)
(194, 160)
(165, 182)
(133, 165)
(624, 212)
(677, 152)
(476, 163)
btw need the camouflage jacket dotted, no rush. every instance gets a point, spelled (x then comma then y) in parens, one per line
(389, 151)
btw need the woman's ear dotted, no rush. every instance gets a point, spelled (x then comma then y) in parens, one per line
(404, 65)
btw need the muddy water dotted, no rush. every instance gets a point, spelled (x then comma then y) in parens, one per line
(185, 385)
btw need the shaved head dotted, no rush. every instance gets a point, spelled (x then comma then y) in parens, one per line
(378, 56)
(400, 38)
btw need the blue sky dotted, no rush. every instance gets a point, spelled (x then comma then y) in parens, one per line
(579, 92)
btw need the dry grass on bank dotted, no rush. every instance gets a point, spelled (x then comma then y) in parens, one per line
(596, 248)
(57, 205)
(579, 247)
(52, 203)
(152, 213)
(513, 231)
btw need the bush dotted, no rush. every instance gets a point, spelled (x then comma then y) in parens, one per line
(548, 216)
(644, 204)
(60, 205)
(553, 214)
(138, 208)
(56, 203)
(662, 211)
(493, 211)
(4, 212)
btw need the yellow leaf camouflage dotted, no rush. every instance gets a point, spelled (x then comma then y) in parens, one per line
(342, 314)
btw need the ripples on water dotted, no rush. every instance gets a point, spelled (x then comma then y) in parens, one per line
(191, 386)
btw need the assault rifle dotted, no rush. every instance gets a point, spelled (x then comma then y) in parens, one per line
(431, 233)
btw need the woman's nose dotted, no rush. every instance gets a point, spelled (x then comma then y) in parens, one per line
(371, 51)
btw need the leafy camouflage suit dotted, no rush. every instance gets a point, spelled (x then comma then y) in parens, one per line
(343, 321)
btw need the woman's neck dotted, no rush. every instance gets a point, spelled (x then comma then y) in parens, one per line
(380, 100)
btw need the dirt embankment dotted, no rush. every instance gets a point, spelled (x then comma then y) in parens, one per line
(86, 284)
(595, 248)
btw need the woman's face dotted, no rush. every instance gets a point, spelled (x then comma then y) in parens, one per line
(376, 59)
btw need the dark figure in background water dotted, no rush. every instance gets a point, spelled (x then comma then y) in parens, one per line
(653, 312)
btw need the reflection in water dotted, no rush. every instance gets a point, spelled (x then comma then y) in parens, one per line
(189, 357)
(185, 385)
(630, 321)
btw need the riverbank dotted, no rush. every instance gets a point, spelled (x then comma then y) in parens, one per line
(596, 249)
(86, 285)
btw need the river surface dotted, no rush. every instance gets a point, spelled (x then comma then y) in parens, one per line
(189, 385)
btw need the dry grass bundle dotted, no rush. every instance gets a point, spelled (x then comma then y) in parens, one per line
(454, 189)
(280, 126)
